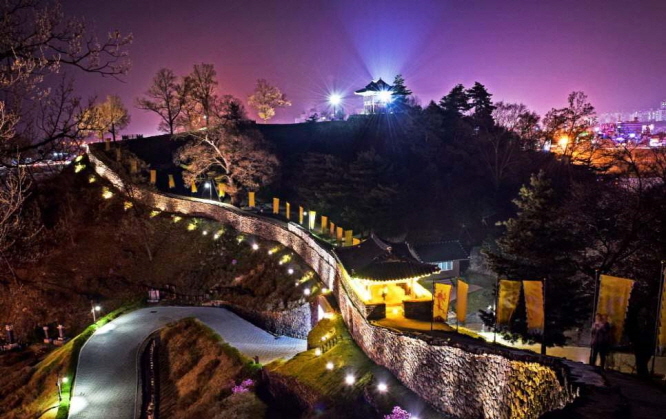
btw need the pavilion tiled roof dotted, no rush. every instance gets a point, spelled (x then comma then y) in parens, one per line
(380, 260)
(441, 251)
(375, 86)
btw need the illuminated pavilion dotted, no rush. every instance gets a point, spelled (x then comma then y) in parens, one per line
(377, 95)
(385, 275)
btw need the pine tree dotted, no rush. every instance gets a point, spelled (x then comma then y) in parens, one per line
(480, 101)
(400, 94)
(455, 103)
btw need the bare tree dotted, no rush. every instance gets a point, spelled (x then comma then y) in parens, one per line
(240, 160)
(266, 98)
(569, 128)
(165, 97)
(517, 118)
(36, 40)
(109, 116)
(201, 85)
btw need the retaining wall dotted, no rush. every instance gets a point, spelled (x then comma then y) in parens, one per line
(465, 380)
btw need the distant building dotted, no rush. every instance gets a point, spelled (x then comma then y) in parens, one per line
(449, 256)
(377, 97)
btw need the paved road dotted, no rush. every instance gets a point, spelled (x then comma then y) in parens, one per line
(106, 378)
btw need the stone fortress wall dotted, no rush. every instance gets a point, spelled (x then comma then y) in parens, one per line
(466, 380)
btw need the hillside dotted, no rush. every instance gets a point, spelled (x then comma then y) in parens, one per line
(107, 250)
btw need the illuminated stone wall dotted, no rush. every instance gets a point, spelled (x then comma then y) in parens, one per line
(470, 380)
(295, 323)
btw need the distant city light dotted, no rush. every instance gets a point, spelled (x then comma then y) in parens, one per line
(335, 99)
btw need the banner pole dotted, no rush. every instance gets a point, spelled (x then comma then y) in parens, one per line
(432, 311)
(658, 318)
(495, 308)
(457, 297)
(543, 332)
(594, 295)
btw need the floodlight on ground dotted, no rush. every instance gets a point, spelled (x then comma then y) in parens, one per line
(307, 291)
(382, 387)
(318, 352)
(205, 232)
(330, 366)
(255, 246)
(98, 308)
(334, 99)
(290, 271)
(64, 380)
(349, 379)
(207, 185)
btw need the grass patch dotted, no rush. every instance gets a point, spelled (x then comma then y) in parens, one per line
(349, 401)
(34, 390)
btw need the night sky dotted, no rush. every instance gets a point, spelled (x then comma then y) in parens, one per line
(534, 52)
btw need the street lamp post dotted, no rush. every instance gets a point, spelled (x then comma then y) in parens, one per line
(94, 309)
(59, 383)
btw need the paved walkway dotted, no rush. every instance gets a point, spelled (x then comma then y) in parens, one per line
(106, 378)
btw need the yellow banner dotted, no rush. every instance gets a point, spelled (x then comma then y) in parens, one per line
(221, 190)
(338, 233)
(312, 217)
(153, 176)
(276, 205)
(193, 188)
(461, 300)
(300, 215)
(533, 291)
(287, 210)
(613, 302)
(440, 308)
(662, 319)
(509, 293)
(331, 229)
(172, 182)
(355, 241)
(324, 223)
(250, 200)
(349, 234)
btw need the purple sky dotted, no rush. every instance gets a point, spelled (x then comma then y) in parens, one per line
(527, 51)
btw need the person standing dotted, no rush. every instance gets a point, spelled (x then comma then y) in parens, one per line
(601, 340)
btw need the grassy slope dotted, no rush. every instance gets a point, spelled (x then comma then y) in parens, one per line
(197, 371)
(348, 401)
(28, 385)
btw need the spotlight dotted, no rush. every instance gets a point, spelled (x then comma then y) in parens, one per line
(382, 387)
(349, 379)
(334, 99)
(255, 246)
(318, 352)
(330, 366)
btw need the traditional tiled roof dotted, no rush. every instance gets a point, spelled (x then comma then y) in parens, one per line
(380, 260)
(441, 251)
(375, 86)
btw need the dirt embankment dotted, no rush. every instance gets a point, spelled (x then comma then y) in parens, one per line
(197, 373)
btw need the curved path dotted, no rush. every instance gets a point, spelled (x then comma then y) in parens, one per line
(106, 377)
